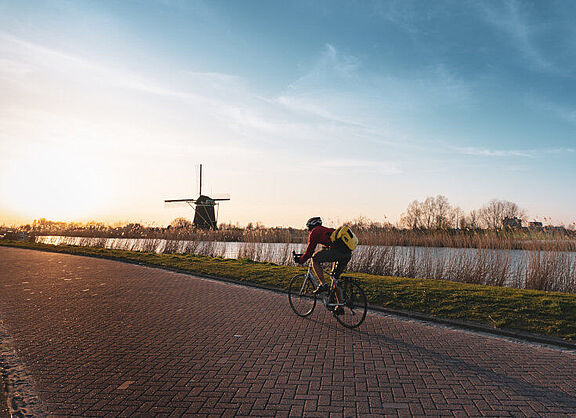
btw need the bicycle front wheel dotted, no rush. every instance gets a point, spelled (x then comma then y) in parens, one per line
(300, 295)
(355, 305)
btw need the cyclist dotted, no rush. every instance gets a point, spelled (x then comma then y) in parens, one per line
(331, 252)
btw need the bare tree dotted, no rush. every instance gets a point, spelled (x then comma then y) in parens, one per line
(457, 218)
(432, 213)
(493, 214)
(428, 213)
(412, 218)
(473, 219)
(442, 212)
(181, 223)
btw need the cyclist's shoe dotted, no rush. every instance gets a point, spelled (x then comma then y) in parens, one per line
(339, 310)
(322, 288)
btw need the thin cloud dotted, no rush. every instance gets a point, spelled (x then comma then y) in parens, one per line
(217, 104)
(402, 13)
(564, 112)
(441, 81)
(331, 66)
(529, 153)
(382, 166)
(338, 90)
(512, 20)
(31, 58)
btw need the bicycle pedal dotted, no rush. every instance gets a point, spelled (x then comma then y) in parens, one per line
(338, 310)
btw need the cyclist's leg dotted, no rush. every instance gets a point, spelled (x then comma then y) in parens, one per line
(339, 266)
(341, 263)
(317, 267)
(323, 256)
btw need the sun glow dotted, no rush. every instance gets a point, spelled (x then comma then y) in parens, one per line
(53, 184)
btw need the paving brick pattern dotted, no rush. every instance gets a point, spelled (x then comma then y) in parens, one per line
(105, 338)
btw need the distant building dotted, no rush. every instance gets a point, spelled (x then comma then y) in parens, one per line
(535, 225)
(512, 223)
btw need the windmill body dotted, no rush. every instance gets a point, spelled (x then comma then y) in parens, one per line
(205, 213)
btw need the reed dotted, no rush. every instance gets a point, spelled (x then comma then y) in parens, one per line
(247, 251)
(522, 239)
(551, 271)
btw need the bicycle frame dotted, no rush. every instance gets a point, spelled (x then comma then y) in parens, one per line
(334, 287)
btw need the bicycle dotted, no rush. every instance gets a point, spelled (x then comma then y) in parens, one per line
(344, 295)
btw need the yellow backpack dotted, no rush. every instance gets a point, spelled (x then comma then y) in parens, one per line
(344, 236)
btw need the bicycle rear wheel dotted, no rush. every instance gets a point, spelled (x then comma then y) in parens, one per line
(355, 305)
(300, 295)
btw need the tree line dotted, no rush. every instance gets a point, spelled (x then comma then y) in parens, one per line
(438, 213)
(432, 213)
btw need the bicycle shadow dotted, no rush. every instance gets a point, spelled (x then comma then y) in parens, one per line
(459, 367)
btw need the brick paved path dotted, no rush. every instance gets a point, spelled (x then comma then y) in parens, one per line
(103, 337)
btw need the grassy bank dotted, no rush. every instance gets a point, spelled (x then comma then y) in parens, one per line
(538, 312)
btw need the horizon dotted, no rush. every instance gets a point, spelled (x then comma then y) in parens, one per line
(546, 222)
(329, 108)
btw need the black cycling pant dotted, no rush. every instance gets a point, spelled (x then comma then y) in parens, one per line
(335, 255)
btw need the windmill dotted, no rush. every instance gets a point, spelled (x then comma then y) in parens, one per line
(205, 215)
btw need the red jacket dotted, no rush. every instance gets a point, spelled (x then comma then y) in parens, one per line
(318, 235)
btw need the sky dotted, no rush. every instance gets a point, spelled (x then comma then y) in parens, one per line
(304, 108)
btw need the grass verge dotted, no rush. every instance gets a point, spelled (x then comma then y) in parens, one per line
(538, 312)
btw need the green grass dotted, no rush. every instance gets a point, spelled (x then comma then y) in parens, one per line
(538, 312)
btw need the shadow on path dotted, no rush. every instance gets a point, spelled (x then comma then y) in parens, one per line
(549, 397)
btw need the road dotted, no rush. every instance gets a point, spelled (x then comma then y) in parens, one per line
(101, 337)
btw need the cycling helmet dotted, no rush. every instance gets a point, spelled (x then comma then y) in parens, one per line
(313, 222)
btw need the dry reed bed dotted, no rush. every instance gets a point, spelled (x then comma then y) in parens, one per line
(539, 270)
(521, 239)
(489, 239)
